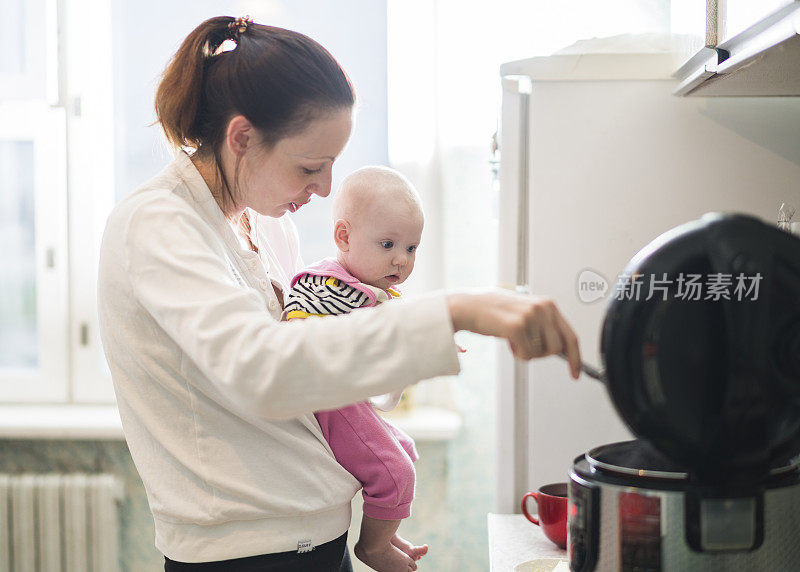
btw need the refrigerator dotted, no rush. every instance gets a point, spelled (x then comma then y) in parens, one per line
(598, 158)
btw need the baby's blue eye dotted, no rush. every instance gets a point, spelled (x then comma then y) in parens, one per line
(411, 249)
(387, 244)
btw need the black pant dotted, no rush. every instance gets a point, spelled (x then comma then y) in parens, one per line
(332, 556)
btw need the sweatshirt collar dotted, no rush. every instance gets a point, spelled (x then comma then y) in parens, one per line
(207, 204)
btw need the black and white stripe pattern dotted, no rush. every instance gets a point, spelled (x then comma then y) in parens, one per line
(312, 295)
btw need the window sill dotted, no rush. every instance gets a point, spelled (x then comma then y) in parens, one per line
(60, 422)
(425, 423)
(91, 422)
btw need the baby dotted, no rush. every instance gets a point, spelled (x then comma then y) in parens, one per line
(377, 227)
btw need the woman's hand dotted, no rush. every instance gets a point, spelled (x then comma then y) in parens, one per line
(532, 325)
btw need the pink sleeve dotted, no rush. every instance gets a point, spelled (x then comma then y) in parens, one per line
(376, 453)
(405, 441)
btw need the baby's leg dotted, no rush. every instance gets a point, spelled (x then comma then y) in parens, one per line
(380, 548)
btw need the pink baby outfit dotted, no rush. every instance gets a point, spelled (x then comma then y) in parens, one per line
(373, 450)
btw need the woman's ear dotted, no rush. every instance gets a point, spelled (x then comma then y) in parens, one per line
(239, 134)
(341, 235)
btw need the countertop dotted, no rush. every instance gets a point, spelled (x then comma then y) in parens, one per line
(514, 540)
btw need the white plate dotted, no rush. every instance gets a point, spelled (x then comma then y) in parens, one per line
(542, 565)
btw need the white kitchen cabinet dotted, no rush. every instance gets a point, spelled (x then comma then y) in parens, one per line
(713, 22)
(742, 57)
(736, 16)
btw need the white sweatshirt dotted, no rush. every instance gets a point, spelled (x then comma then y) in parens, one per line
(216, 395)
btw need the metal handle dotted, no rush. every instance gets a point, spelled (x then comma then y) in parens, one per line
(591, 371)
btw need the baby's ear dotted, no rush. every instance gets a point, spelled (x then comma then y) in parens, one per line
(341, 235)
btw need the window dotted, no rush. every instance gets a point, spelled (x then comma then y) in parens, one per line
(33, 290)
(77, 82)
(52, 115)
(33, 255)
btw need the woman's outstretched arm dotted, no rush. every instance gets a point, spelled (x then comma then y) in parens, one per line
(533, 325)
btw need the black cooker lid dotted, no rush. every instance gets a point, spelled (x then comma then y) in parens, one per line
(710, 374)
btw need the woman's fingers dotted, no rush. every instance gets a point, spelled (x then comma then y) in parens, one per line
(571, 347)
(525, 345)
(546, 332)
(551, 332)
(534, 327)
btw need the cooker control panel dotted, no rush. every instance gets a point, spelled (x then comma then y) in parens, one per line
(583, 524)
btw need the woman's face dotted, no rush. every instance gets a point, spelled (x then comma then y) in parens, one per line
(284, 177)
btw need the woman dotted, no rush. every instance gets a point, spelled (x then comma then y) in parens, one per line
(215, 394)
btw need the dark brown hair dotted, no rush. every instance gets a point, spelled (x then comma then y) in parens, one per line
(278, 79)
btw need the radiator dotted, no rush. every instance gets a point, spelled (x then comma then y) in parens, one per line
(59, 522)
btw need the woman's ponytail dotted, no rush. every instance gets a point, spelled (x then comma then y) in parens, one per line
(179, 94)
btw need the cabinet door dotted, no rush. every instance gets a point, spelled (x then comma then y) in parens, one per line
(693, 26)
(707, 24)
(735, 16)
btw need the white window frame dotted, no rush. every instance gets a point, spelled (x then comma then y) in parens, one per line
(44, 126)
(87, 93)
(39, 79)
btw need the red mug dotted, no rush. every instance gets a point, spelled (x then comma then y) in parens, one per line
(552, 517)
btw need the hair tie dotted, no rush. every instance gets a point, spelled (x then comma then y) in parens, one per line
(238, 27)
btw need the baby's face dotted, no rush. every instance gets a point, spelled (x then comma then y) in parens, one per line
(383, 243)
